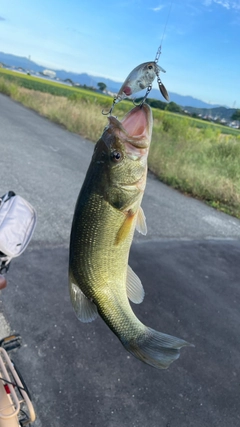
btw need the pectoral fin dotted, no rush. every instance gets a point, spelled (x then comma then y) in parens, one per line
(135, 291)
(86, 310)
(125, 228)
(141, 225)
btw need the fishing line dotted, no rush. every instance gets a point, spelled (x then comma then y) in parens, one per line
(161, 86)
(159, 51)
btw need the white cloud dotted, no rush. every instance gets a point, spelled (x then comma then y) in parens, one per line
(158, 8)
(236, 5)
(223, 3)
(227, 4)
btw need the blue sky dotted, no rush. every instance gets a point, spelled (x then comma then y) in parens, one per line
(200, 47)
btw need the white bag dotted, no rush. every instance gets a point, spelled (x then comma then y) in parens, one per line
(17, 224)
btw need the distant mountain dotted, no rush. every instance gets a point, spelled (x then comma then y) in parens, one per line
(88, 80)
(182, 100)
(83, 78)
(19, 61)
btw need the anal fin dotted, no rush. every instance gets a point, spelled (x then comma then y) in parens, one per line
(86, 310)
(135, 291)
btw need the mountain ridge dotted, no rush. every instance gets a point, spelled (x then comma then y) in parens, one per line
(89, 80)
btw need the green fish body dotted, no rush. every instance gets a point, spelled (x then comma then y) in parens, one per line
(107, 212)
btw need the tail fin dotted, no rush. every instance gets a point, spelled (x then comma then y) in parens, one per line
(155, 348)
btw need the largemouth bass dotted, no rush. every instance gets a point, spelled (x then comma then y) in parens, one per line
(107, 212)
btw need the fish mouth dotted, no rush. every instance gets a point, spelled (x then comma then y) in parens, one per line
(135, 128)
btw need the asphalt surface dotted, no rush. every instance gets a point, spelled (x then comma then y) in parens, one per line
(79, 374)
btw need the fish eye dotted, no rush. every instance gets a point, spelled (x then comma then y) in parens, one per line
(150, 67)
(116, 156)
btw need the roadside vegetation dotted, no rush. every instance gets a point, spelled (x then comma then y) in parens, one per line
(196, 157)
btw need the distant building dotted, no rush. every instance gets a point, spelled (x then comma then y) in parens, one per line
(235, 124)
(49, 73)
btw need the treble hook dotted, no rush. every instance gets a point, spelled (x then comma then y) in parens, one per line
(111, 109)
(145, 97)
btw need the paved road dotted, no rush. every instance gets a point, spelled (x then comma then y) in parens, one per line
(79, 374)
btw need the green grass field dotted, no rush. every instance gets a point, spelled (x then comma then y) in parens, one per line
(199, 158)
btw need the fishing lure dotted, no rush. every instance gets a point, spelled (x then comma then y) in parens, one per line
(141, 78)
